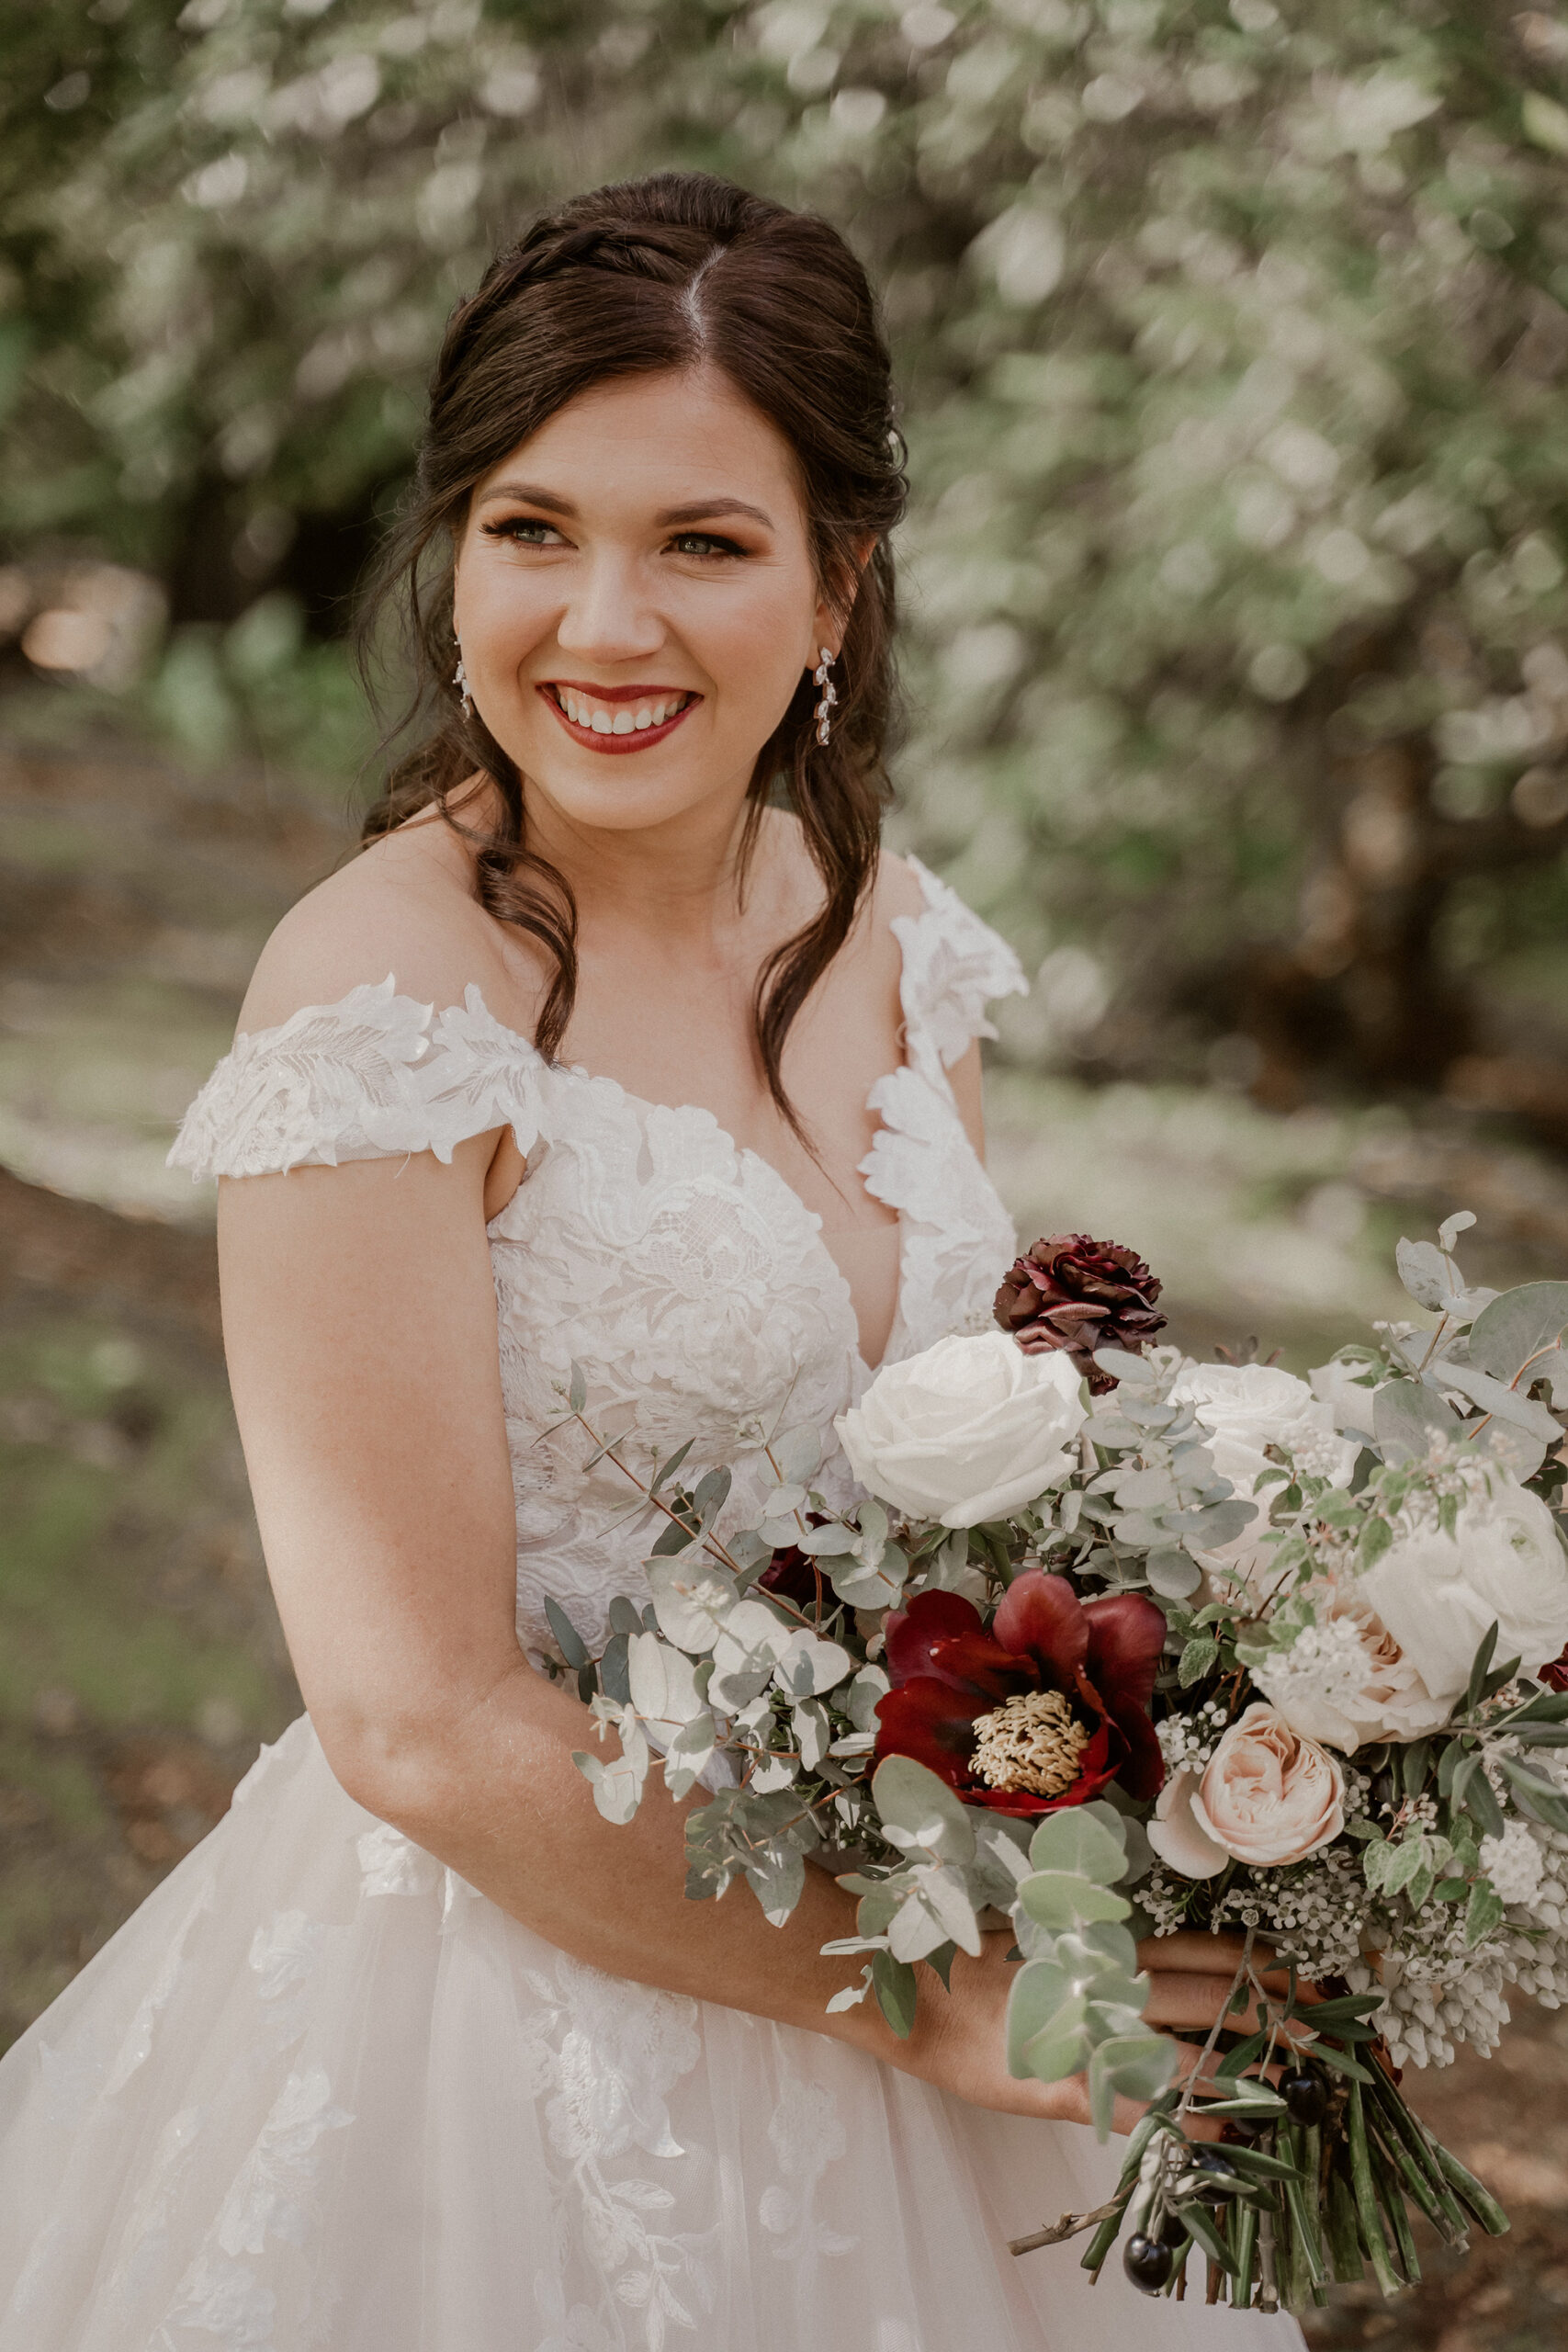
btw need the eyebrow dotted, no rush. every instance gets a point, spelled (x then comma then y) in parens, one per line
(699, 511)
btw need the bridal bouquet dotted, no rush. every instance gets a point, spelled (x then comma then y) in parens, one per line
(1117, 1642)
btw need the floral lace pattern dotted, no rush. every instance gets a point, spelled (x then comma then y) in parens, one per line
(681, 1270)
(605, 2057)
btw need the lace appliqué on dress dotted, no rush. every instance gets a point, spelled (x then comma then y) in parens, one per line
(359, 1079)
(607, 2056)
(954, 966)
(806, 2137)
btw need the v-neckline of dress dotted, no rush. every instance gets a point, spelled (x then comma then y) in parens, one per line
(743, 1151)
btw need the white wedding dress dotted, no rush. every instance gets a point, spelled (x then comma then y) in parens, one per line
(319, 2092)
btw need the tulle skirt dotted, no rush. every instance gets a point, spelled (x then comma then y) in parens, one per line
(319, 2093)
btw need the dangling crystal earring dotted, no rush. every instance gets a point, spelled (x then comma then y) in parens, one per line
(459, 679)
(824, 708)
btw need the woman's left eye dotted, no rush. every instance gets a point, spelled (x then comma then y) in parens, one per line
(704, 543)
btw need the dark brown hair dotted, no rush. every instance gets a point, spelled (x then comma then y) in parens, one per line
(674, 271)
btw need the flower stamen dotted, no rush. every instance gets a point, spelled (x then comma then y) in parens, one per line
(1031, 1743)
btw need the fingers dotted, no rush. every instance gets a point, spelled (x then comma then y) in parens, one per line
(1193, 2001)
(1194, 1948)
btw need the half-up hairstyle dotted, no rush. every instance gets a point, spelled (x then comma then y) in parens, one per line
(676, 271)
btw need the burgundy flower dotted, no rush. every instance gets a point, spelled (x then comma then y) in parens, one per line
(1079, 1295)
(1555, 1676)
(1038, 1713)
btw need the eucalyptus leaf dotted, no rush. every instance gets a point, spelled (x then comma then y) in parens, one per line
(691, 1599)
(914, 1802)
(1406, 1417)
(1519, 1325)
(808, 1665)
(894, 1984)
(1065, 1899)
(569, 1641)
(874, 1584)
(1426, 1273)
(777, 1877)
(798, 1454)
(1089, 1839)
(1494, 1396)
(662, 1681)
(859, 1702)
(1122, 1365)
(1133, 2066)
(1176, 1575)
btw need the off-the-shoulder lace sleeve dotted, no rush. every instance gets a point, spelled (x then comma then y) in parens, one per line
(954, 965)
(373, 1077)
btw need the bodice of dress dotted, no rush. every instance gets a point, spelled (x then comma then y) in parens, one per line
(679, 1272)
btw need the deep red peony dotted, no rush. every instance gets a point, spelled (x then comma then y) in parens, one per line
(1039, 1712)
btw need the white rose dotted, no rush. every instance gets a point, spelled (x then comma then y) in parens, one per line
(1265, 1798)
(1246, 1408)
(971, 1430)
(1346, 1679)
(1437, 1594)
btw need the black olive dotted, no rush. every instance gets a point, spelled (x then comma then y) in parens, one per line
(1148, 2263)
(1246, 2128)
(1209, 2159)
(1306, 2098)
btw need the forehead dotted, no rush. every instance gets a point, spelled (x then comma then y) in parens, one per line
(657, 441)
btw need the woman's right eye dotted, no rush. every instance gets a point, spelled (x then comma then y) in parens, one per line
(525, 531)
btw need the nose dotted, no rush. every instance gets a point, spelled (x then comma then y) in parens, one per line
(609, 616)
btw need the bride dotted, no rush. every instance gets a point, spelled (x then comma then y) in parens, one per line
(618, 1046)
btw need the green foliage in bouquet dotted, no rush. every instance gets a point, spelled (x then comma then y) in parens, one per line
(1197, 1645)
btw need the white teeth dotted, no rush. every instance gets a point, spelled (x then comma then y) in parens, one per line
(622, 718)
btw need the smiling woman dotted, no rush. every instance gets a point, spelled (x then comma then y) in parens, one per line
(418, 2051)
(719, 298)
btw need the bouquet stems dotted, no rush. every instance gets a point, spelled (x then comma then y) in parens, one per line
(1281, 2215)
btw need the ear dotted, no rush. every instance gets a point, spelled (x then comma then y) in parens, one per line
(832, 617)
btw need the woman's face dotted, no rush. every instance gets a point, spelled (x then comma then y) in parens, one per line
(637, 599)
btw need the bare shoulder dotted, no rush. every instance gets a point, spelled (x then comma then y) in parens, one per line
(899, 890)
(404, 906)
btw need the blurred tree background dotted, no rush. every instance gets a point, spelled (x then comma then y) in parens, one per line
(1234, 342)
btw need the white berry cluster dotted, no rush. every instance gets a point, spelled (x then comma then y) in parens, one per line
(1189, 1740)
(1313, 1913)
(1326, 1665)
(1438, 1991)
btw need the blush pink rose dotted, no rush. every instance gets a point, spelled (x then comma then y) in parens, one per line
(1266, 1797)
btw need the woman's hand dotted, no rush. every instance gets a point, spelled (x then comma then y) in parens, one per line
(958, 2044)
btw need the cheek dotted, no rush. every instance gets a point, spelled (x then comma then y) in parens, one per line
(753, 643)
(502, 613)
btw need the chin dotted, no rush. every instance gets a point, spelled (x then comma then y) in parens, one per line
(654, 788)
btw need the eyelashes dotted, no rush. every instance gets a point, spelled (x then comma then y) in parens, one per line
(514, 526)
(709, 543)
(705, 547)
